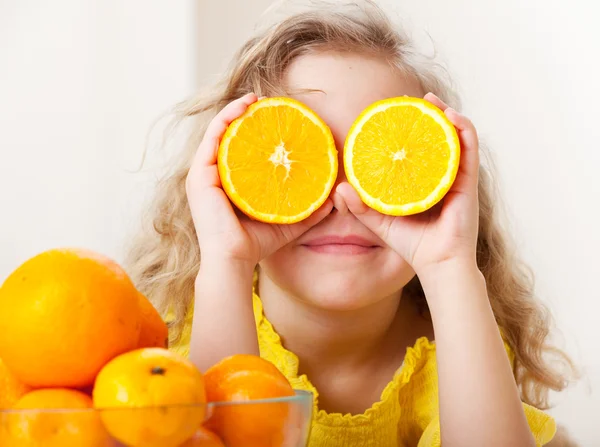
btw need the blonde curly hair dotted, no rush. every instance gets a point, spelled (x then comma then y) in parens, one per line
(164, 258)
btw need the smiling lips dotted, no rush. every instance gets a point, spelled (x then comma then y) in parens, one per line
(342, 245)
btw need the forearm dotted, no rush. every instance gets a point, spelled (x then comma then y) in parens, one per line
(223, 322)
(479, 399)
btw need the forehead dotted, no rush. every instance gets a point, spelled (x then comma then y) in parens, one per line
(344, 85)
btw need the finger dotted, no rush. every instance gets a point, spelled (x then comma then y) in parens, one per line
(376, 222)
(469, 142)
(272, 237)
(294, 231)
(207, 152)
(212, 212)
(351, 198)
(433, 99)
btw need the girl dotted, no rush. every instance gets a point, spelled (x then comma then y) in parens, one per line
(348, 303)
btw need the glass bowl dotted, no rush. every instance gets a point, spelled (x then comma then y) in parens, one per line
(278, 422)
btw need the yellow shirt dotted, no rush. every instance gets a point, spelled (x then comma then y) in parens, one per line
(407, 413)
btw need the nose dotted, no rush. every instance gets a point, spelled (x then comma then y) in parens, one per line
(339, 205)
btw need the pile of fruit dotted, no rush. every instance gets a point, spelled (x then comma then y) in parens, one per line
(76, 335)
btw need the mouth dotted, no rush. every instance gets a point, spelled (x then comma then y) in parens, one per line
(341, 245)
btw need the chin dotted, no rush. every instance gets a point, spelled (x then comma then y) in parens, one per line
(337, 292)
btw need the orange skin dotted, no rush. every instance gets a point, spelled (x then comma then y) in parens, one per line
(72, 311)
(154, 332)
(152, 396)
(244, 378)
(54, 429)
(203, 438)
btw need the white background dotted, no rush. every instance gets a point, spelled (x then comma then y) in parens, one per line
(82, 82)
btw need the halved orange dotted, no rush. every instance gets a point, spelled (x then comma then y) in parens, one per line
(278, 161)
(401, 155)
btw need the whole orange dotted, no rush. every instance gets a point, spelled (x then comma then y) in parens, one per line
(242, 379)
(203, 438)
(55, 417)
(154, 332)
(235, 363)
(63, 315)
(150, 397)
(11, 388)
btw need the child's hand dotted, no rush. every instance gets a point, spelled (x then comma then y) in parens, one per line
(223, 232)
(446, 232)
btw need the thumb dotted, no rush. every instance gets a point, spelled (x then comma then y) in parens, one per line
(295, 230)
(375, 221)
(353, 201)
(286, 233)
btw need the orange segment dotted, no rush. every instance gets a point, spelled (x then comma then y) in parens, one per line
(278, 161)
(402, 155)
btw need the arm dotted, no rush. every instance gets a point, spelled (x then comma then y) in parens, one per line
(223, 322)
(479, 399)
(230, 246)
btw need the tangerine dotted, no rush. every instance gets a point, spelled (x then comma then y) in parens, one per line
(203, 438)
(54, 417)
(150, 397)
(241, 417)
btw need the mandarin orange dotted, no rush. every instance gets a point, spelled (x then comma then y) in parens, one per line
(150, 397)
(203, 438)
(247, 380)
(54, 417)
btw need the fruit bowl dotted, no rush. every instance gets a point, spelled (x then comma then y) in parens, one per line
(281, 422)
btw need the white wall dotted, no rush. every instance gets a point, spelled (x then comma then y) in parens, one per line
(80, 85)
(529, 75)
(81, 82)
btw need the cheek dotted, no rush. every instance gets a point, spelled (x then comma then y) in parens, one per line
(285, 267)
(396, 274)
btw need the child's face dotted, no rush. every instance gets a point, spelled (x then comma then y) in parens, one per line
(341, 277)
